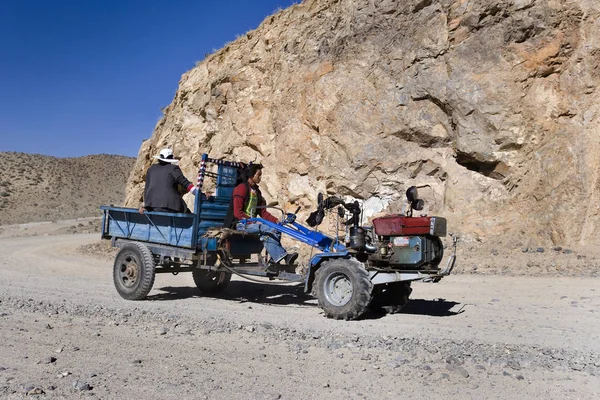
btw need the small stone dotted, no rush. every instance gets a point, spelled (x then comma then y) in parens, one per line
(81, 386)
(504, 373)
(162, 331)
(250, 328)
(59, 350)
(494, 300)
(444, 375)
(540, 250)
(480, 367)
(49, 360)
(454, 360)
(514, 365)
(520, 377)
(35, 391)
(577, 366)
(136, 362)
(51, 387)
(567, 251)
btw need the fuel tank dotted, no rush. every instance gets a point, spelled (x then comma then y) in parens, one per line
(400, 225)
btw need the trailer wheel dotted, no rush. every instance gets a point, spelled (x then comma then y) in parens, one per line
(391, 298)
(343, 288)
(133, 271)
(211, 282)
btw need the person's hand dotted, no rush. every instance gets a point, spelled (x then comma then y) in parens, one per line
(142, 209)
(194, 190)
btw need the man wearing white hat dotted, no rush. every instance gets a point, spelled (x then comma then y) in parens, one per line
(162, 179)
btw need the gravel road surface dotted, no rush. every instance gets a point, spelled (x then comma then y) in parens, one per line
(65, 333)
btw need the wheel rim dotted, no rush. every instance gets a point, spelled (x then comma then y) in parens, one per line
(128, 271)
(338, 289)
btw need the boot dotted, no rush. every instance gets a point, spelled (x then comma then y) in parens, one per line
(273, 268)
(290, 259)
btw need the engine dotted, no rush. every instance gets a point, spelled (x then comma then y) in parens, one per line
(397, 242)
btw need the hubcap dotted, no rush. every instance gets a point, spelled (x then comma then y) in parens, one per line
(129, 271)
(338, 290)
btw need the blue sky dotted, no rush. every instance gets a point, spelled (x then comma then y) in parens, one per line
(81, 77)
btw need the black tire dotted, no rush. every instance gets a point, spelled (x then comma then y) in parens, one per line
(391, 297)
(133, 271)
(343, 288)
(211, 282)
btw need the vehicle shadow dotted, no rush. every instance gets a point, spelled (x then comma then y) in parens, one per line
(433, 308)
(263, 293)
(281, 295)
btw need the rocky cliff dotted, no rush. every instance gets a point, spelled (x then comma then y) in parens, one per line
(492, 104)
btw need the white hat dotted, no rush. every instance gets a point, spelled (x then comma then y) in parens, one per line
(166, 155)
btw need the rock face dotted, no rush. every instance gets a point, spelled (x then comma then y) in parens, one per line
(491, 104)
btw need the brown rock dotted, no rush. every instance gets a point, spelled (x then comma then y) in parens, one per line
(491, 104)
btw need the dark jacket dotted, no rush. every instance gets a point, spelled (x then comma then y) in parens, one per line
(161, 187)
(241, 195)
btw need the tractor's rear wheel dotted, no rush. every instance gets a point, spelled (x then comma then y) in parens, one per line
(211, 282)
(133, 271)
(391, 297)
(343, 288)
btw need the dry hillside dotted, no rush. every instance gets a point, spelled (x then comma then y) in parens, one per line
(34, 187)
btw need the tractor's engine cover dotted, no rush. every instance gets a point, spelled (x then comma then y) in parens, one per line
(409, 253)
(400, 225)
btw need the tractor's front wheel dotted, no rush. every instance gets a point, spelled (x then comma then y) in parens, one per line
(133, 271)
(343, 288)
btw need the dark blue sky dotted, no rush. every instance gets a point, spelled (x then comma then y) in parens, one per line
(81, 77)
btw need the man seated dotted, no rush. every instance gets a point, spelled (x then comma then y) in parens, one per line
(162, 181)
(246, 198)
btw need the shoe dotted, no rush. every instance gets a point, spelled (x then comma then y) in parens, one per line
(273, 268)
(290, 258)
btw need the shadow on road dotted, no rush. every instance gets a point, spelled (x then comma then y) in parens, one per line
(433, 308)
(263, 293)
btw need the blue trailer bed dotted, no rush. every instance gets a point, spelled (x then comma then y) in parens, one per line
(188, 231)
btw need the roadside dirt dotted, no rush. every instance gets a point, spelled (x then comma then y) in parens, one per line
(65, 333)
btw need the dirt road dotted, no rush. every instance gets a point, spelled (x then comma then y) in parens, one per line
(65, 333)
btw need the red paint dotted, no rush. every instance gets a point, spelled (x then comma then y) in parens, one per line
(399, 225)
